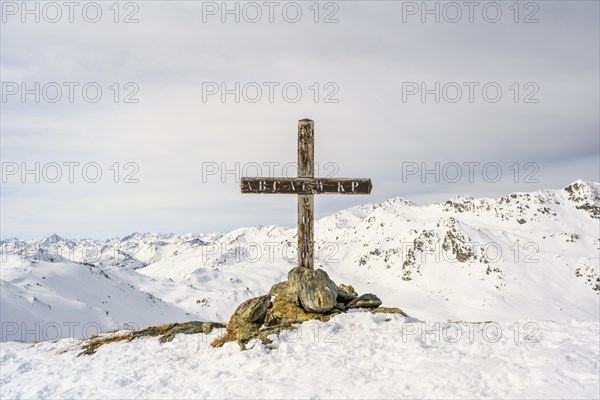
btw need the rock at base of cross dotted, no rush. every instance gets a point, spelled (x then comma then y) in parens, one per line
(316, 291)
(306, 295)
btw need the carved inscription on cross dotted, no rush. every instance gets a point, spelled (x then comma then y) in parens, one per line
(305, 186)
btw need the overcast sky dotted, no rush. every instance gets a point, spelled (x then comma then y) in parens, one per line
(517, 93)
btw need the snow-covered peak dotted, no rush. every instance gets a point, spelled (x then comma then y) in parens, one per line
(462, 259)
(53, 238)
(401, 201)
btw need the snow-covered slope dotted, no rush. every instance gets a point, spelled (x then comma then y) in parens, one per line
(356, 355)
(43, 300)
(522, 256)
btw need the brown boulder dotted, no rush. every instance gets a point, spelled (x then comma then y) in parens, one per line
(316, 291)
(284, 289)
(368, 300)
(285, 312)
(346, 294)
(389, 310)
(248, 317)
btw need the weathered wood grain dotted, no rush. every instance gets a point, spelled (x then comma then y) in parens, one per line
(306, 148)
(305, 186)
(306, 169)
(306, 242)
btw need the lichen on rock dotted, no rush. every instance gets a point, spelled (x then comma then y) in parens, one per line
(284, 289)
(166, 332)
(346, 294)
(367, 300)
(285, 312)
(316, 291)
(248, 317)
(389, 310)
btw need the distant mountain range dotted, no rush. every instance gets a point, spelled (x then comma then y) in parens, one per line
(524, 255)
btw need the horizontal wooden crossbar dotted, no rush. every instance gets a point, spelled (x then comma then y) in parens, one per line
(306, 185)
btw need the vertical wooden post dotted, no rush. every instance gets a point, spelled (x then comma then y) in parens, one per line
(306, 169)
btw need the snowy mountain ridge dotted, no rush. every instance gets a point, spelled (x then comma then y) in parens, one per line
(523, 255)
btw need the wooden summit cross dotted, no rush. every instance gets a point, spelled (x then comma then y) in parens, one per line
(305, 186)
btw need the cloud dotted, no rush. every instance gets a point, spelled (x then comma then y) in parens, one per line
(353, 77)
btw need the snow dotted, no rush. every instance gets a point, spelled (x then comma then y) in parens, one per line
(366, 356)
(526, 260)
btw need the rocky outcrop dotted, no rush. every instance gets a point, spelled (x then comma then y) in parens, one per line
(346, 294)
(284, 289)
(306, 295)
(316, 291)
(368, 300)
(166, 333)
(248, 317)
(389, 310)
(285, 312)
